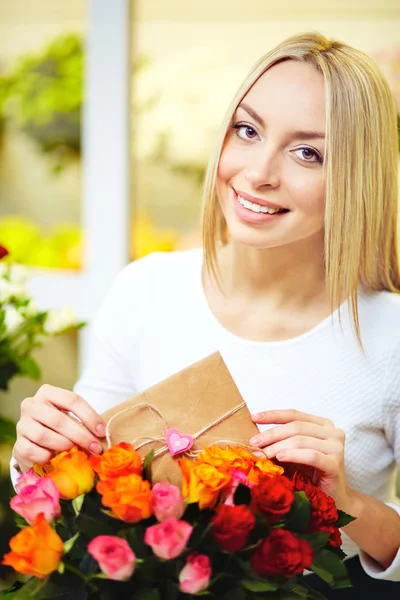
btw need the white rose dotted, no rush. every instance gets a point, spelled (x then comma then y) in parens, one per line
(18, 274)
(58, 320)
(32, 308)
(12, 290)
(12, 319)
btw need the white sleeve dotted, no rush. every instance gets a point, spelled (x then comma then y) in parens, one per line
(391, 422)
(107, 378)
(373, 569)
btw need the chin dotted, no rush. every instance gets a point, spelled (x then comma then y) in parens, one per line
(253, 238)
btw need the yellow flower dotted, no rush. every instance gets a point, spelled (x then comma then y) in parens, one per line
(235, 458)
(71, 472)
(264, 467)
(203, 483)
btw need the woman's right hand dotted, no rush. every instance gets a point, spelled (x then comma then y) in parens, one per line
(45, 427)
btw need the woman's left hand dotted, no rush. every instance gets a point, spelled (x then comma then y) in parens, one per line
(307, 440)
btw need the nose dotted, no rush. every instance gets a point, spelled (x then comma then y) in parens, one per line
(263, 171)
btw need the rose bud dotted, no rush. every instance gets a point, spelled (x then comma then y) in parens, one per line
(195, 575)
(168, 539)
(167, 501)
(114, 555)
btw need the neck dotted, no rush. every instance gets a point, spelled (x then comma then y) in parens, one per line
(287, 274)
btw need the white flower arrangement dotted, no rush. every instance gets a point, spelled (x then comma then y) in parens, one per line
(23, 327)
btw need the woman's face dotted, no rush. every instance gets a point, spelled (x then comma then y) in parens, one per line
(270, 176)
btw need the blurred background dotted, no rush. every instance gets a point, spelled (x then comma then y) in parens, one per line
(107, 116)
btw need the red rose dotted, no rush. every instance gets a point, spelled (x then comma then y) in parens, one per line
(335, 538)
(231, 526)
(323, 510)
(282, 553)
(3, 252)
(273, 497)
(323, 507)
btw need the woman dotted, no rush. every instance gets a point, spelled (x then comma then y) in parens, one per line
(298, 290)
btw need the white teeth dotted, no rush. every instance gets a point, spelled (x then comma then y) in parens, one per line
(257, 207)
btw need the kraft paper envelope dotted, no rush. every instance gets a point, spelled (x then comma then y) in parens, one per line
(189, 401)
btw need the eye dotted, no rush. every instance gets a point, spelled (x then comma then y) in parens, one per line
(307, 154)
(245, 131)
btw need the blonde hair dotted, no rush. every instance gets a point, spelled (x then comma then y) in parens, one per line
(361, 167)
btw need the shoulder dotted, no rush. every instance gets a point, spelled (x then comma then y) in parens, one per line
(158, 268)
(380, 310)
(150, 279)
(379, 314)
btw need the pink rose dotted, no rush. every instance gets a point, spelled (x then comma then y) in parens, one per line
(167, 502)
(115, 557)
(237, 478)
(195, 575)
(168, 539)
(34, 498)
(28, 478)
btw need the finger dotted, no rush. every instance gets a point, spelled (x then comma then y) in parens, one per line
(27, 454)
(276, 434)
(42, 436)
(75, 404)
(304, 442)
(76, 432)
(286, 416)
(324, 463)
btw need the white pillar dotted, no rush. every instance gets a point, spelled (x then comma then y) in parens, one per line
(106, 152)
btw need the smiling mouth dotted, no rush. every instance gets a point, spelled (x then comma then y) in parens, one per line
(258, 208)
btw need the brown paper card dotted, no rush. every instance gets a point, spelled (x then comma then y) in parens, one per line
(188, 401)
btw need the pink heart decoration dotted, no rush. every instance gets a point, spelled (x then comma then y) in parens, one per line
(176, 442)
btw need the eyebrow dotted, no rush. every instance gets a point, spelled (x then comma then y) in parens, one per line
(298, 134)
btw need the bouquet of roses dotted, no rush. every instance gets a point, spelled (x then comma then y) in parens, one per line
(237, 528)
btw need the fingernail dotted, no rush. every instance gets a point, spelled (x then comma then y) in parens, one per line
(255, 440)
(100, 429)
(95, 448)
(256, 416)
(259, 454)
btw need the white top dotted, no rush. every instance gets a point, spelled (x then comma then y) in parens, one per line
(155, 321)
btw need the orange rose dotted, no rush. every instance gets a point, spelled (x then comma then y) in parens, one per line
(203, 483)
(71, 472)
(236, 458)
(35, 550)
(264, 467)
(118, 461)
(129, 497)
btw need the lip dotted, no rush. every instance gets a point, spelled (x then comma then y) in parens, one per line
(256, 200)
(253, 218)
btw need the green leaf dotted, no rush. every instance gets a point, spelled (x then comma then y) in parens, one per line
(29, 368)
(235, 594)
(147, 594)
(300, 512)
(344, 519)
(242, 495)
(329, 567)
(317, 540)
(61, 566)
(92, 527)
(7, 431)
(147, 465)
(69, 543)
(77, 503)
(134, 536)
(259, 585)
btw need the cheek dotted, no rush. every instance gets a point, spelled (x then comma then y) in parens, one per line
(309, 194)
(229, 164)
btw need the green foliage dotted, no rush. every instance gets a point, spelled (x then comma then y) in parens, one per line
(43, 94)
(23, 327)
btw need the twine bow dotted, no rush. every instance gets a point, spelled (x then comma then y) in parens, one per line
(161, 440)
